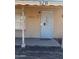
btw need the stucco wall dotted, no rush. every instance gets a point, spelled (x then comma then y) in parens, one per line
(32, 21)
(58, 22)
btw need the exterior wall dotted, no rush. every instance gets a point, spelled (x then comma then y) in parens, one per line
(32, 21)
(58, 22)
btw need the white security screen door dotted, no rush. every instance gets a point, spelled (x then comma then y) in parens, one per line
(46, 24)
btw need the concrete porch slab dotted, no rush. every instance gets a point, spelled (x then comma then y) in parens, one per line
(38, 42)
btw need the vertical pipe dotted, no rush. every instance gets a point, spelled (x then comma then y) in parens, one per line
(62, 44)
(23, 40)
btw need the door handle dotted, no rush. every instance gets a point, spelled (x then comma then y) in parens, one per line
(44, 24)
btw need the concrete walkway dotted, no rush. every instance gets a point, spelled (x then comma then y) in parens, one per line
(38, 42)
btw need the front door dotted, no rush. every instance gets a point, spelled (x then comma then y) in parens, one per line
(46, 24)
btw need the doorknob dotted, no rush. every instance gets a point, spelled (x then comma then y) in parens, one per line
(44, 23)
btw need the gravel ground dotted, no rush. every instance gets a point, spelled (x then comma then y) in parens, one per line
(38, 53)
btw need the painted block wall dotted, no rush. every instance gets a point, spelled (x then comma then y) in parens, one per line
(32, 21)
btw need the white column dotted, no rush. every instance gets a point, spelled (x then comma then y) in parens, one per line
(23, 40)
(23, 18)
